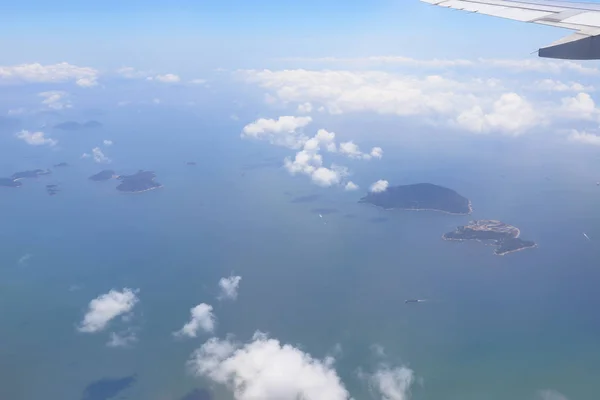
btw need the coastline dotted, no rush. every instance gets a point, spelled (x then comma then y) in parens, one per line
(140, 191)
(488, 243)
(514, 251)
(420, 209)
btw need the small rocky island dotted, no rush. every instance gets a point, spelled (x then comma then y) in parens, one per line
(505, 237)
(52, 190)
(30, 174)
(141, 181)
(421, 196)
(61, 165)
(102, 176)
(10, 182)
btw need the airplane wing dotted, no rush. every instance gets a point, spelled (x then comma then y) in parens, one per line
(583, 18)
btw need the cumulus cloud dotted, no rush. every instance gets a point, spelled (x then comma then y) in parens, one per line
(35, 138)
(584, 137)
(229, 287)
(132, 73)
(392, 383)
(350, 186)
(198, 81)
(511, 113)
(54, 73)
(202, 318)
(167, 78)
(581, 106)
(55, 99)
(551, 85)
(379, 186)
(107, 142)
(99, 156)
(352, 150)
(305, 108)
(283, 131)
(268, 370)
(107, 307)
(122, 339)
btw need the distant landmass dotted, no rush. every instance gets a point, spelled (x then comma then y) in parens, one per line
(61, 165)
(76, 126)
(420, 196)
(10, 182)
(141, 181)
(505, 237)
(30, 174)
(191, 163)
(101, 176)
(52, 189)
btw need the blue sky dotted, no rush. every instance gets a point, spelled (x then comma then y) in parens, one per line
(199, 35)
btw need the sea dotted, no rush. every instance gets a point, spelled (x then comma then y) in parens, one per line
(491, 328)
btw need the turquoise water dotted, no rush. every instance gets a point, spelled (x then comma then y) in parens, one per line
(494, 327)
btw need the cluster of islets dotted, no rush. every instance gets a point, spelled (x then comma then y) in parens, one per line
(426, 196)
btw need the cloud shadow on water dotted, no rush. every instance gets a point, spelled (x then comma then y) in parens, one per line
(306, 199)
(107, 388)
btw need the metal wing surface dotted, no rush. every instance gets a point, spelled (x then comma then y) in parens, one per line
(583, 18)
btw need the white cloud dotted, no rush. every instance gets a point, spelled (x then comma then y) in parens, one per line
(24, 260)
(379, 186)
(529, 65)
(202, 318)
(305, 108)
(35, 138)
(107, 142)
(265, 369)
(283, 131)
(106, 307)
(392, 383)
(581, 106)
(511, 113)
(55, 99)
(167, 78)
(352, 150)
(351, 186)
(86, 155)
(551, 85)
(198, 81)
(584, 137)
(229, 287)
(156, 101)
(132, 73)
(55, 73)
(123, 339)
(99, 156)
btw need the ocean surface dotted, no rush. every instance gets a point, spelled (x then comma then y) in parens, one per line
(492, 328)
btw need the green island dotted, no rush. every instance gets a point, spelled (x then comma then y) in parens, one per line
(10, 182)
(420, 196)
(30, 174)
(505, 237)
(141, 181)
(105, 175)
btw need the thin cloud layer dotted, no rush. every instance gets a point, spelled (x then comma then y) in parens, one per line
(107, 307)
(268, 370)
(36, 138)
(99, 156)
(202, 319)
(584, 137)
(392, 383)
(55, 73)
(229, 287)
(55, 99)
(122, 339)
(167, 78)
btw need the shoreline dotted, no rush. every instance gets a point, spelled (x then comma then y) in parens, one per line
(140, 191)
(487, 243)
(514, 251)
(420, 209)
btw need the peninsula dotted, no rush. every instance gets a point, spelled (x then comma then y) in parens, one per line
(420, 196)
(30, 174)
(10, 182)
(141, 181)
(505, 237)
(101, 176)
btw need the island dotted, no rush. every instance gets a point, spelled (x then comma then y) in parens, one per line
(505, 237)
(420, 197)
(52, 189)
(61, 165)
(76, 126)
(30, 174)
(191, 163)
(142, 181)
(10, 182)
(102, 176)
